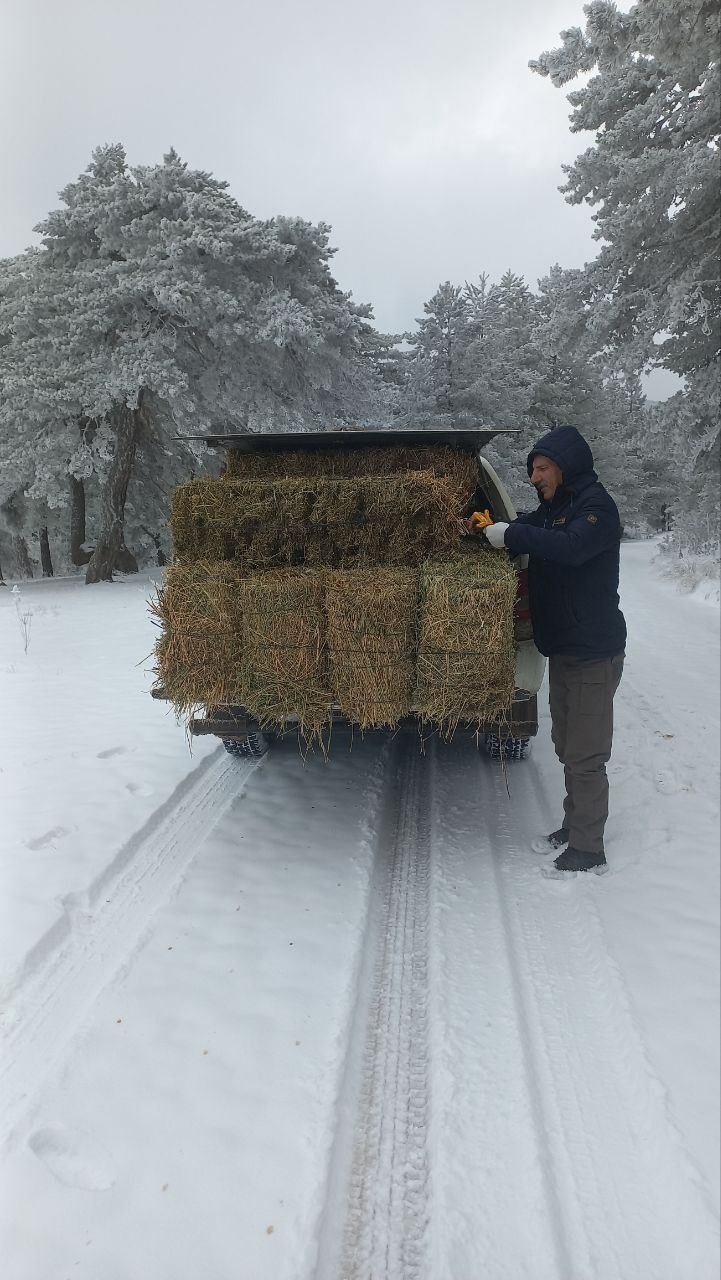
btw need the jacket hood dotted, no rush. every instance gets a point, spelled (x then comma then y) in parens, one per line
(567, 448)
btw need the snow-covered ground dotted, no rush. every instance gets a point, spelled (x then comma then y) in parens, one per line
(326, 1019)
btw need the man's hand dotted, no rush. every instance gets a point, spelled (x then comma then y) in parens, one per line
(496, 533)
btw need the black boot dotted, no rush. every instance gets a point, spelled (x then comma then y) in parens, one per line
(573, 860)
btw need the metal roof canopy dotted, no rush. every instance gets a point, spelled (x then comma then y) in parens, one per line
(265, 441)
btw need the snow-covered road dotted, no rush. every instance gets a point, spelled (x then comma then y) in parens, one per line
(327, 1019)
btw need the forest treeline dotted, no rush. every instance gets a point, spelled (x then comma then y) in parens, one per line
(157, 308)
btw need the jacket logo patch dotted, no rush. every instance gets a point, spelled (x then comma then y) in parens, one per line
(560, 520)
(592, 519)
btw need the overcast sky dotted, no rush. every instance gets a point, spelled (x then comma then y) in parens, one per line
(414, 127)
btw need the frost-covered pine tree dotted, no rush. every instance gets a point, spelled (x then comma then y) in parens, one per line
(157, 301)
(686, 428)
(475, 361)
(108, 318)
(653, 294)
(597, 391)
(437, 355)
(569, 389)
(652, 172)
(474, 358)
(502, 363)
(501, 357)
(314, 344)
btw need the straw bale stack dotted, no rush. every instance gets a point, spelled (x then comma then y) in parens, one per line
(326, 520)
(371, 618)
(465, 664)
(305, 582)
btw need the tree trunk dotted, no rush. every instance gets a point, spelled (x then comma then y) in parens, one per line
(22, 556)
(77, 521)
(45, 557)
(125, 561)
(3, 583)
(110, 540)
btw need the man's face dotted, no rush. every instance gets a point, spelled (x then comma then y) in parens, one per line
(546, 476)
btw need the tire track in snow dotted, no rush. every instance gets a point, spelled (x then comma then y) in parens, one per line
(496, 1211)
(100, 936)
(376, 1214)
(631, 1203)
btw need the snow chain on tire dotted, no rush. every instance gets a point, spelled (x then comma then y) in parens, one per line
(255, 745)
(506, 748)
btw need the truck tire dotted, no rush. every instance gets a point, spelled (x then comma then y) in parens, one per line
(253, 746)
(506, 748)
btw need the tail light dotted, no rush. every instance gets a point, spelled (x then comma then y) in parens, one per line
(522, 629)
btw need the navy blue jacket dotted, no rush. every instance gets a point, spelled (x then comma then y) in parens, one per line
(573, 547)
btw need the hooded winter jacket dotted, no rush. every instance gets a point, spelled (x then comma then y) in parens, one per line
(573, 547)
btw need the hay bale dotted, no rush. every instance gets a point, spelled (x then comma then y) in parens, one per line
(338, 522)
(284, 649)
(198, 656)
(372, 619)
(248, 523)
(459, 467)
(465, 668)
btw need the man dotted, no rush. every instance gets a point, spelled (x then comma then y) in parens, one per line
(573, 541)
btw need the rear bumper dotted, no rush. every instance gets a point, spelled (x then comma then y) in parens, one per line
(235, 722)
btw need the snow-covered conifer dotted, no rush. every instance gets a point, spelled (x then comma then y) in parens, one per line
(437, 355)
(652, 172)
(653, 293)
(501, 357)
(158, 304)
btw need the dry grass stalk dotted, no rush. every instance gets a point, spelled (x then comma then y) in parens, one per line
(465, 665)
(372, 618)
(399, 518)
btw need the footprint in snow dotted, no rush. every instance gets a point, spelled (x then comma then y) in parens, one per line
(111, 751)
(41, 842)
(668, 784)
(139, 788)
(73, 1157)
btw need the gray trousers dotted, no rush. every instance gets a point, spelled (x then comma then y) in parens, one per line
(581, 700)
